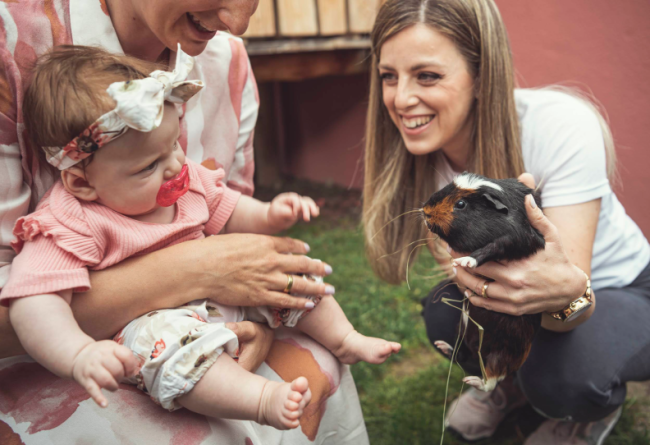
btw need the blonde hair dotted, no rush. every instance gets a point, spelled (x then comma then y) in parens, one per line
(397, 181)
(67, 92)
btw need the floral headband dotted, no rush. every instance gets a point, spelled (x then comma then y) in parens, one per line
(140, 105)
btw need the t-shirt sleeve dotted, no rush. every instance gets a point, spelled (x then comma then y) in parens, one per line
(43, 267)
(564, 149)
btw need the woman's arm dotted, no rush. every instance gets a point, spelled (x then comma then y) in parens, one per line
(236, 270)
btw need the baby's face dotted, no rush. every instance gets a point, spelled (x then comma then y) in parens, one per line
(127, 173)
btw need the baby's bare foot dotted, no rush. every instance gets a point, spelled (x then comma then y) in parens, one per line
(282, 404)
(357, 347)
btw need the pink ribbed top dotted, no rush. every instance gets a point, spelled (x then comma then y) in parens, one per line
(65, 237)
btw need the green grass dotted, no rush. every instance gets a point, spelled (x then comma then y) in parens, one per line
(402, 400)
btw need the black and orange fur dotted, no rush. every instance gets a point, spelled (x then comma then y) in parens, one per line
(492, 225)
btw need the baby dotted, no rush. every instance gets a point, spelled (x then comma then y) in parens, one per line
(127, 189)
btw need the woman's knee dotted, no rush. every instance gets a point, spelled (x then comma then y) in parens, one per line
(558, 392)
(441, 320)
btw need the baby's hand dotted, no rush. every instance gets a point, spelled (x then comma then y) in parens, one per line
(287, 208)
(102, 364)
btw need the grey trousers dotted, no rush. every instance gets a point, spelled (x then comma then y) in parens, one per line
(578, 375)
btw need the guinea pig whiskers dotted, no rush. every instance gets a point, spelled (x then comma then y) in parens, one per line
(398, 251)
(392, 220)
(408, 259)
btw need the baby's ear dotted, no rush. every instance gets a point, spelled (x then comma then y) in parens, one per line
(74, 180)
(501, 207)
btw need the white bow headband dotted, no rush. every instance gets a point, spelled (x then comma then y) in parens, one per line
(140, 105)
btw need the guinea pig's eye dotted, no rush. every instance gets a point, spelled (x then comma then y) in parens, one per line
(460, 205)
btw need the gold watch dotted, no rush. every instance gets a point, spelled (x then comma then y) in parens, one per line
(577, 307)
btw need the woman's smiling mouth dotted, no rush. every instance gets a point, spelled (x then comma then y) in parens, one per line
(198, 25)
(416, 124)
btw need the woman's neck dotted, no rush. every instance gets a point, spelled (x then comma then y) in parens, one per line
(135, 37)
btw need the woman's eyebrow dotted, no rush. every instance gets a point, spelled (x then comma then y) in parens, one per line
(427, 64)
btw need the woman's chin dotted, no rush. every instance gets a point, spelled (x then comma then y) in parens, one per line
(191, 47)
(419, 148)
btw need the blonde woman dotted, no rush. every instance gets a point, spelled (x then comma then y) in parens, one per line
(443, 100)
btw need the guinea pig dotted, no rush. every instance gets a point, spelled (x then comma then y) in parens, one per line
(486, 220)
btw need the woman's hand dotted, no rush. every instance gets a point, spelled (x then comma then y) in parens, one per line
(255, 341)
(251, 270)
(547, 281)
(235, 270)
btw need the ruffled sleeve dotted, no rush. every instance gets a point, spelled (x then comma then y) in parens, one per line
(221, 199)
(55, 247)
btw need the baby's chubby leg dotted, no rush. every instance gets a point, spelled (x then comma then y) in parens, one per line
(328, 325)
(230, 392)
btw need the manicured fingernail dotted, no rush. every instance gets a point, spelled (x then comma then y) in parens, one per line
(328, 269)
(329, 290)
(307, 248)
(455, 271)
(533, 204)
(467, 294)
(104, 404)
(310, 305)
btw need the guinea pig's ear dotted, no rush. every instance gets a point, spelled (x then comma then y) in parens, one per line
(501, 207)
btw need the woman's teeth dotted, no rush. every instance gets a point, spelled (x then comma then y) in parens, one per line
(416, 122)
(198, 24)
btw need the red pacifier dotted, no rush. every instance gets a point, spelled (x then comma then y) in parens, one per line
(173, 189)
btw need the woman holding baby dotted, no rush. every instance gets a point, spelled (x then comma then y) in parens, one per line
(443, 100)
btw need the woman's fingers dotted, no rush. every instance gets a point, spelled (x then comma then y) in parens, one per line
(539, 221)
(527, 179)
(475, 284)
(254, 343)
(289, 245)
(491, 304)
(304, 265)
(305, 286)
(283, 300)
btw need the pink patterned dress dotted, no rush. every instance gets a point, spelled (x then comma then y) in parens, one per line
(36, 407)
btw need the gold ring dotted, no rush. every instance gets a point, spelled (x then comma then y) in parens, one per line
(484, 293)
(289, 284)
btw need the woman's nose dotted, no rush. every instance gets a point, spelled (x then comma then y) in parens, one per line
(406, 96)
(237, 14)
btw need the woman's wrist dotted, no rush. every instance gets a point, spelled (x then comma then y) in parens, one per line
(574, 286)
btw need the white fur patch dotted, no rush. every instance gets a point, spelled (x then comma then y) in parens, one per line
(470, 181)
(466, 261)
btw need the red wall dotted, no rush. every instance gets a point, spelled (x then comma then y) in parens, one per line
(602, 45)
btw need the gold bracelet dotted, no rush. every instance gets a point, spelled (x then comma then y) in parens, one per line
(576, 307)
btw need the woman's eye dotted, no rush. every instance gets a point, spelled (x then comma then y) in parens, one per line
(387, 77)
(429, 77)
(460, 205)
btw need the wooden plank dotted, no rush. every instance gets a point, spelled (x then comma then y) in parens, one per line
(332, 17)
(362, 14)
(305, 45)
(302, 66)
(262, 23)
(297, 17)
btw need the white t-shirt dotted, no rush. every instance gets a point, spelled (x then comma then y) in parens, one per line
(563, 148)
